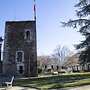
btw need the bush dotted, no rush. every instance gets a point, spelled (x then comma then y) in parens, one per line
(39, 70)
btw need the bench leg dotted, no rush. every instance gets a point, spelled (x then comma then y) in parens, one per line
(7, 85)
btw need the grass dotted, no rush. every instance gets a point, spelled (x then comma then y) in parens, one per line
(78, 83)
(59, 81)
(72, 84)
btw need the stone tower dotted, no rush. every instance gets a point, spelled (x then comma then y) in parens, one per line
(20, 52)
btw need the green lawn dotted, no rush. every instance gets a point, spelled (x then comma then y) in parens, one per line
(59, 81)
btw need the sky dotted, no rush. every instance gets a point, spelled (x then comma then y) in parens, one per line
(50, 14)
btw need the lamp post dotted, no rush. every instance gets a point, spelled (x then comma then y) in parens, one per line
(0, 54)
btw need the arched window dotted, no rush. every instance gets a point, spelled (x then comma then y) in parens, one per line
(19, 56)
(28, 35)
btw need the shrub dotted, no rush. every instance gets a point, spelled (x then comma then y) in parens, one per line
(39, 70)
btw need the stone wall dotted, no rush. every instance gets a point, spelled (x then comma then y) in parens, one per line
(16, 40)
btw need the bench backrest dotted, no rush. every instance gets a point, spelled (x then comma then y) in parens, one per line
(12, 79)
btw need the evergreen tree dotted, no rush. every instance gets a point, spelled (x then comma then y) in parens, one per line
(83, 24)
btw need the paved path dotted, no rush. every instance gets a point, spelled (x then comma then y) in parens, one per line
(17, 88)
(87, 87)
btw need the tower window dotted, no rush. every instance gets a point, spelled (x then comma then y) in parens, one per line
(19, 56)
(28, 35)
(20, 69)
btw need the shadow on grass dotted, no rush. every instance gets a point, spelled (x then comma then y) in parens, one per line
(61, 81)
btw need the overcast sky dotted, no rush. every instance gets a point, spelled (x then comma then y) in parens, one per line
(50, 13)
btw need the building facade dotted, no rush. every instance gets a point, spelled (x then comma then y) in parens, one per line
(20, 51)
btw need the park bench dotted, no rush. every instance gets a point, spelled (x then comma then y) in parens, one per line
(9, 83)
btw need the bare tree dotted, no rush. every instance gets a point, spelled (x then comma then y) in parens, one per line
(60, 53)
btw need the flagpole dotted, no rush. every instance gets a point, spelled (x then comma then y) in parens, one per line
(35, 31)
(35, 10)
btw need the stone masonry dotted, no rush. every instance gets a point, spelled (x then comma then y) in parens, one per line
(20, 51)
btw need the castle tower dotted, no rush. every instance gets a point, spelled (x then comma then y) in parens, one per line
(20, 52)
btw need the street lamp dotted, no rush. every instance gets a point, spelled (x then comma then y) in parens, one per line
(0, 54)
